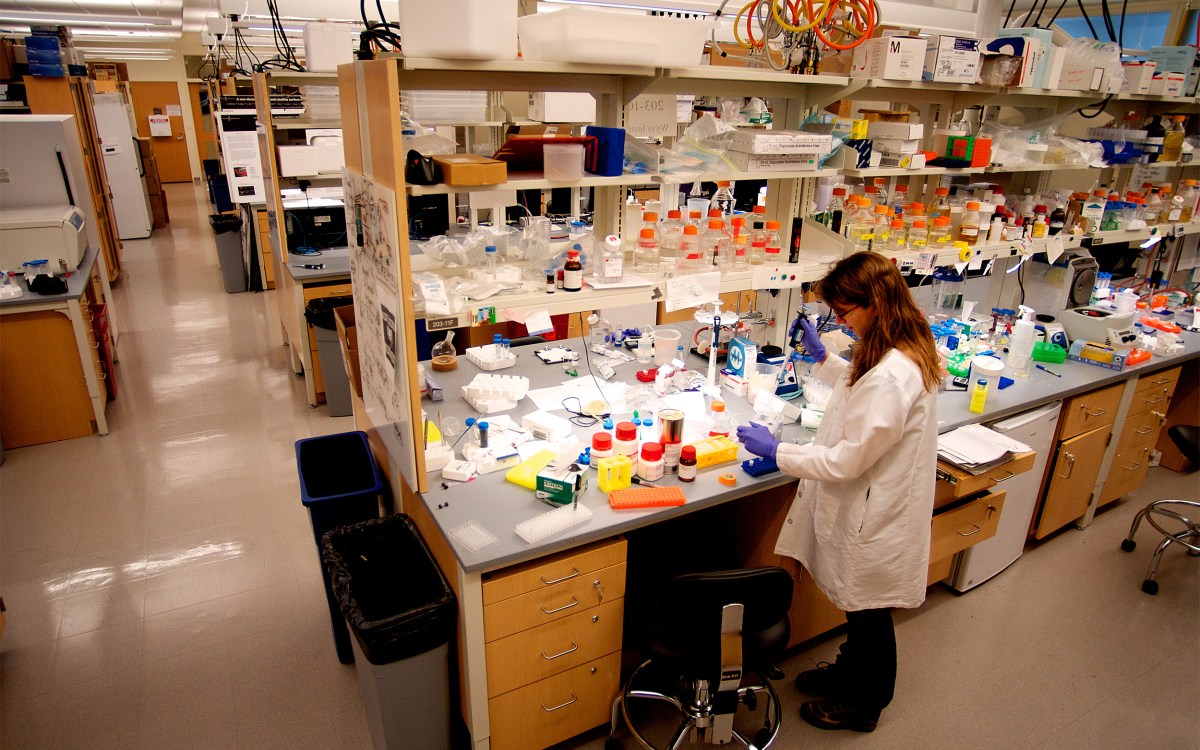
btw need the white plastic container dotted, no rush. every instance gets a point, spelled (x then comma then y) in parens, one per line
(459, 29)
(445, 107)
(602, 37)
(563, 161)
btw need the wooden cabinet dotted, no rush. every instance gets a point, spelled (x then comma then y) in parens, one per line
(1088, 411)
(553, 631)
(262, 225)
(336, 289)
(73, 96)
(1072, 479)
(1139, 432)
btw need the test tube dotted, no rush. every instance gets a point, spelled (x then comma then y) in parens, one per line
(507, 344)
(490, 255)
(483, 434)
(497, 344)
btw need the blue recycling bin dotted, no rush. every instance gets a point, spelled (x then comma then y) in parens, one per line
(340, 484)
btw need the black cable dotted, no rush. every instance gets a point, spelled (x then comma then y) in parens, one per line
(1089, 20)
(1121, 33)
(587, 359)
(1008, 15)
(1106, 16)
(1038, 20)
(1053, 18)
(1099, 108)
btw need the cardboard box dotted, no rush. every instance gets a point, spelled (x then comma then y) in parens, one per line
(299, 161)
(561, 487)
(1166, 83)
(1178, 60)
(158, 208)
(1041, 60)
(894, 58)
(470, 169)
(1081, 78)
(562, 106)
(896, 130)
(1138, 76)
(779, 142)
(952, 59)
(773, 162)
(348, 337)
(1031, 52)
(897, 145)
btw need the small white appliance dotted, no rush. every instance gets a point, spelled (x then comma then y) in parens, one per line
(1068, 283)
(979, 563)
(1093, 323)
(53, 233)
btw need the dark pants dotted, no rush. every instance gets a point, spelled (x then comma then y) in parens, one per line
(867, 660)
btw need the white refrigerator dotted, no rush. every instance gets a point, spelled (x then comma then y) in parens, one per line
(979, 563)
(123, 163)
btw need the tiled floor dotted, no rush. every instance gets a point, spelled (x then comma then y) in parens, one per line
(164, 591)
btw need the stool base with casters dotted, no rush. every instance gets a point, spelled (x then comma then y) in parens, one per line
(1188, 535)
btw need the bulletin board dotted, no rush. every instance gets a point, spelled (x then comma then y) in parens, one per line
(385, 332)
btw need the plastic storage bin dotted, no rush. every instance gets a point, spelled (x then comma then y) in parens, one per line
(400, 607)
(445, 107)
(319, 314)
(563, 161)
(228, 228)
(459, 29)
(340, 485)
(606, 38)
(610, 150)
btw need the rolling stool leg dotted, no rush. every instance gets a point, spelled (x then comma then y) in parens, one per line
(1128, 544)
(612, 743)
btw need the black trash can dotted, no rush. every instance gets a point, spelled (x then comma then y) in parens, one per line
(228, 230)
(319, 314)
(218, 193)
(402, 612)
(340, 485)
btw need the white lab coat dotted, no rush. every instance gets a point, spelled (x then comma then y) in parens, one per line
(860, 520)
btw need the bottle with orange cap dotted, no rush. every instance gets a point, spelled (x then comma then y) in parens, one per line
(690, 256)
(1191, 196)
(645, 255)
(941, 203)
(714, 242)
(968, 230)
(723, 200)
(670, 230)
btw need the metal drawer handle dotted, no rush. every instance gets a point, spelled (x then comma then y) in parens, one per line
(1097, 413)
(978, 529)
(574, 603)
(1002, 479)
(561, 705)
(1069, 457)
(1158, 400)
(1145, 431)
(573, 574)
(574, 647)
(1164, 381)
(1135, 467)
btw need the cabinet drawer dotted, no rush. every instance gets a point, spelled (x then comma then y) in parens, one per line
(1154, 398)
(955, 484)
(962, 527)
(552, 570)
(1141, 429)
(556, 708)
(553, 603)
(1088, 411)
(1162, 379)
(537, 653)
(1126, 474)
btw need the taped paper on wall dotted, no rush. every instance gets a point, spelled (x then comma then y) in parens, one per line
(692, 290)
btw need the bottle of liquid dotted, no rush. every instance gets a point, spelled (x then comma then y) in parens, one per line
(739, 259)
(650, 221)
(1190, 195)
(722, 200)
(968, 230)
(687, 463)
(1020, 344)
(645, 255)
(1172, 211)
(918, 236)
(670, 232)
(721, 423)
(837, 206)
(1093, 210)
(882, 229)
(612, 261)
(939, 234)
(914, 211)
(1039, 227)
(696, 219)
(773, 246)
(758, 243)
(979, 396)
(1155, 139)
(690, 255)
(860, 224)
(630, 222)
(1173, 138)
(489, 254)
(1058, 220)
(899, 200)
(941, 203)
(715, 242)
(573, 271)
(896, 238)
(871, 193)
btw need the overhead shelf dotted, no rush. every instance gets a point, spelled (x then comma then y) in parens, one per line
(903, 172)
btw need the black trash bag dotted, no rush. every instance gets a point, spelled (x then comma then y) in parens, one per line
(391, 591)
(319, 312)
(222, 223)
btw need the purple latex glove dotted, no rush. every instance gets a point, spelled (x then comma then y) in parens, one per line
(811, 341)
(758, 440)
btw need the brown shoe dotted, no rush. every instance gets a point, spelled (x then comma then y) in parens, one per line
(827, 714)
(821, 682)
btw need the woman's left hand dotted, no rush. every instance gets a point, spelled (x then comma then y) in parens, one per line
(758, 440)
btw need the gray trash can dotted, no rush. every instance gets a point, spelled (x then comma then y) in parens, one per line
(402, 613)
(319, 314)
(228, 231)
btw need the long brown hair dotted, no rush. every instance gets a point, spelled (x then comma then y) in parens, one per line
(867, 279)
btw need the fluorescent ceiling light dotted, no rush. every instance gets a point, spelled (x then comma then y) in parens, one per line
(128, 34)
(83, 20)
(630, 6)
(95, 56)
(131, 50)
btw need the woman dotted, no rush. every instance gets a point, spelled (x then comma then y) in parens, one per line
(860, 520)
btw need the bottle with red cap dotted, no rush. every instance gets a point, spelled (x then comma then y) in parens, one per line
(650, 464)
(602, 447)
(626, 442)
(687, 463)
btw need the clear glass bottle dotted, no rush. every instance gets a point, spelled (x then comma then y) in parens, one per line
(872, 194)
(739, 257)
(896, 239)
(690, 254)
(968, 230)
(669, 232)
(723, 198)
(941, 203)
(720, 423)
(899, 199)
(645, 255)
(836, 210)
(650, 221)
(695, 218)
(1152, 208)
(773, 247)
(715, 242)
(913, 212)
(1173, 212)
(612, 261)
(1190, 195)
(918, 235)
(1173, 138)
(758, 243)
(940, 236)
(882, 228)
(1164, 209)
(861, 224)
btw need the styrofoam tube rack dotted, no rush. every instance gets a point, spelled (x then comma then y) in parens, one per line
(550, 523)
(491, 357)
(490, 394)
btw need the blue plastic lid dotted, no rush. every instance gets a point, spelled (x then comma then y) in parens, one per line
(470, 421)
(482, 425)
(506, 342)
(497, 338)
(490, 249)
(608, 424)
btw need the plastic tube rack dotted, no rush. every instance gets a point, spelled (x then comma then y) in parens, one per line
(491, 357)
(490, 394)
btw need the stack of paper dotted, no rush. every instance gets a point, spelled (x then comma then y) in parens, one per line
(975, 447)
